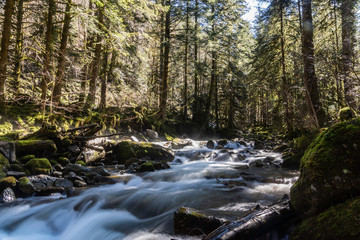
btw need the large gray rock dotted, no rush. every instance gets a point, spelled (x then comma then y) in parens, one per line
(7, 195)
(152, 134)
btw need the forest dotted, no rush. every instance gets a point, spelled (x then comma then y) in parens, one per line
(179, 119)
(185, 61)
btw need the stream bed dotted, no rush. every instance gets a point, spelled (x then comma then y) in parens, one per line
(141, 206)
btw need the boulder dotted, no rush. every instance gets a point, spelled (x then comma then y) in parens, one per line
(40, 148)
(16, 174)
(178, 143)
(26, 158)
(346, 114)
(79, 183)
(7, 182)
(152, 134)
(127, 149)
(61, 182)
(7, 195)
(7, 149)
(146, 167)
(76, 168)
(26, 186)
(100, 170)
(39, 166)
(337, 223)
(330, 170)
(189, 221)
(210, 144)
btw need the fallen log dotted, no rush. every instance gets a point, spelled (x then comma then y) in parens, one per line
(256, 223)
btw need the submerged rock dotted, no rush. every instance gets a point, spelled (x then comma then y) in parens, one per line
(337, 223)
(189, 221)
(330, 170)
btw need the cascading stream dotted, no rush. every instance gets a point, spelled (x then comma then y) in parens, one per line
(143, 207)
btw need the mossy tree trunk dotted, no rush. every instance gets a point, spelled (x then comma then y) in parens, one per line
(5, 41)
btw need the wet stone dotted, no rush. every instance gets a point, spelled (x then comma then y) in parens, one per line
(7, 195)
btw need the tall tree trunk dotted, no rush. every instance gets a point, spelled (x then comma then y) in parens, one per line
(196, 114)
(164, 83)
(103, 92)
(86, 70)
(348, 42)
(339, 88)
(186, 62)
(18, 47)
(213, 71)
(310, 80)
(46, 77)
(5, 41)
(285, 84)
(90, 101)
(62, 54)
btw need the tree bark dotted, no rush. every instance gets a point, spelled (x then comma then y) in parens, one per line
(5, 41)
(196, 114)
(102, 104)
(186, 62)
(348, 41)
(46, 77)
(90, 101)
(18, 47)
(62, 54)
(310, 80)
(164, 85)
(285, 85)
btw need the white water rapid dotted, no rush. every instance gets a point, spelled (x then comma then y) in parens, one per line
(142, 207)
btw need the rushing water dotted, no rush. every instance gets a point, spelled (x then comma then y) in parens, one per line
(142, 206)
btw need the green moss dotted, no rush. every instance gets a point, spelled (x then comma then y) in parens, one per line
(23, 181)
(337, 223)
(322, 181)
(146, 167)
(126, 150)
(37, 147)
(4, 161)
(63, 161)
(7, 182)
(82, 163)
(27, 158)
(39, 166)
(346, 114)
(169, 137)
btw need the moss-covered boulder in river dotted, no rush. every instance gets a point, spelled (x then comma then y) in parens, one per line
(127, 149)
(40, 148)
(337, 223)
(330, 170)
(26, 186)
(39, 166)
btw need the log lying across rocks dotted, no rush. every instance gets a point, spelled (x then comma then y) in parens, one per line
(257, 223)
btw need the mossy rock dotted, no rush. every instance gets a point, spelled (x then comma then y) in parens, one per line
(26, 158)
(82, 163)
(63, 161)
(19, 168)
(146, 167)
(127, 149)
(26, 186)
(189, 221)
(337, 223)
(346, 114)
(39, 166)
(40, 148)
(4, 161)
(7, 182)
(330, 170)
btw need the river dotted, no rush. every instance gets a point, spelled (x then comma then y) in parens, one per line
(141, 206)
